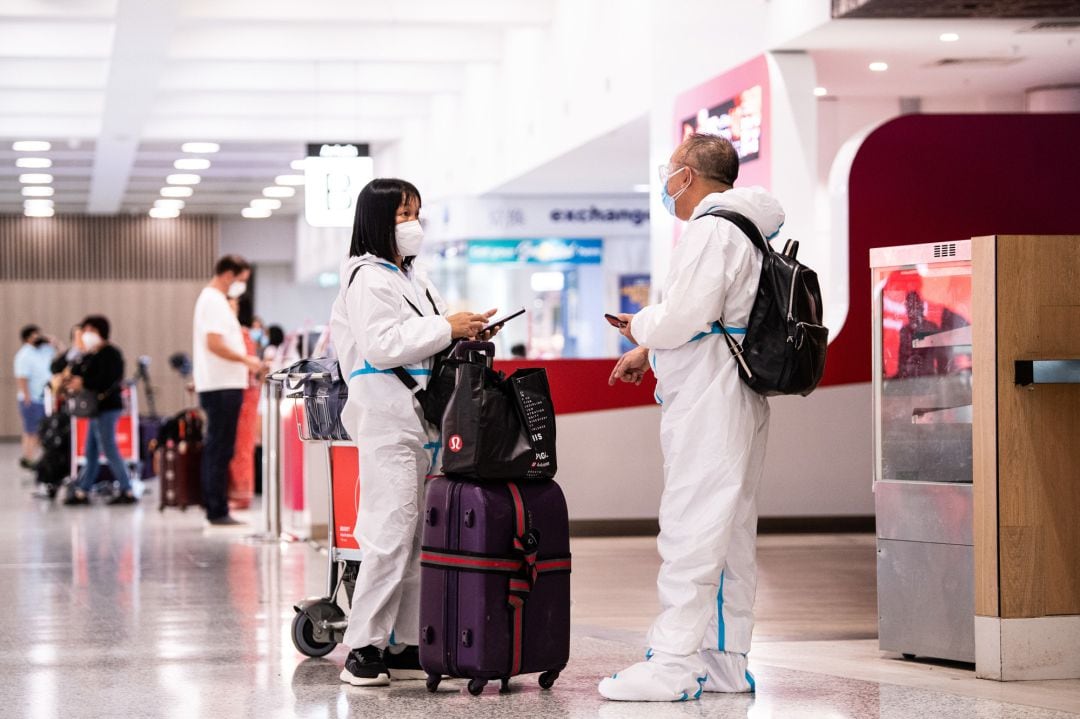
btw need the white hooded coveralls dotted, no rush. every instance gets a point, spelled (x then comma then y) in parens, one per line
(375, 329)
(713, 431)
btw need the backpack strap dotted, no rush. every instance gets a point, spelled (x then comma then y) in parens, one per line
(400, 372)
(748, 228)
(746, 225)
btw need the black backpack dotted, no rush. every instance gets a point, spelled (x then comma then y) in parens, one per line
(783, 351)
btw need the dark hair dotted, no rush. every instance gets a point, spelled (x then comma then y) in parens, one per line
(99, 323)
(28, 330)
(376, 217)
(275, 335)
(245, 311)
(712, 156)
(231, 263)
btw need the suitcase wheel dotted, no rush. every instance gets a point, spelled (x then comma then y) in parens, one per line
(547, 679)
(433, 681)
(505, 688)
(476, 686)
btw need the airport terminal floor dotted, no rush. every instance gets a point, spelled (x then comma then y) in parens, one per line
(127, 612)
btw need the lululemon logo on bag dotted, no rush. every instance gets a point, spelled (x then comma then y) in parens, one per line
(455, 444)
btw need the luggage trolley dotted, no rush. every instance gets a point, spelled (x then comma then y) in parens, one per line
(320, 622)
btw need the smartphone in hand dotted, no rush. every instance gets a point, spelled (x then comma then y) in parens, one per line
(615, 321)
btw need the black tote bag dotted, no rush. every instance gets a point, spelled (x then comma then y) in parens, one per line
(497, 428)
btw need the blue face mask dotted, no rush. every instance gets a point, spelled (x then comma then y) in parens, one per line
(667, 198)
(256, 336)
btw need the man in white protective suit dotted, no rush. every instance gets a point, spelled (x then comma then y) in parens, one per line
(712, 431)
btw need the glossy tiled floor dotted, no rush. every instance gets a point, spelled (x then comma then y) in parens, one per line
(123, 612)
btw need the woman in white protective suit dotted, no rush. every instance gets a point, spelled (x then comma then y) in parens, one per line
(712, 431)
(388, 315)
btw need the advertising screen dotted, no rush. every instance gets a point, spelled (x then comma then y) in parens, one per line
(735, 105)
(739, 119)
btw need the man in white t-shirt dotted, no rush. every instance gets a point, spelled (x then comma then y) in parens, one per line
(221, 366)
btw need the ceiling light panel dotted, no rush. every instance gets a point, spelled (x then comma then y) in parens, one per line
(34, 163)
(290, 180)
(192, 163)
(38, 191)
(183, 179)
(163, 213)
(266, 203)
(279, 191)
(35, 179)
(31, 146)
(177, 192)
(252, 213)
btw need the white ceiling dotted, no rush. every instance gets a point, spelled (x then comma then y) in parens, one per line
(843, 49)
(118, 85)
(612, 163)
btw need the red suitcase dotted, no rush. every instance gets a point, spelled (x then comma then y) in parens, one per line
(179, 469)
(494, 582)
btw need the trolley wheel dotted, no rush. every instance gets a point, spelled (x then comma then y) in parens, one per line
(433, 681)
(908, 657)
(476, 686)
(505, 687)
(303, 630)
(547, 679)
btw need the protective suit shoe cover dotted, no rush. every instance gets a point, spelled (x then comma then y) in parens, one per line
(727, 673)
(663, 678)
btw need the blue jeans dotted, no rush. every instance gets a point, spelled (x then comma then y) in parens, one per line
(102, 436)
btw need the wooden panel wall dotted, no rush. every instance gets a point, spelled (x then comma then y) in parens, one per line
(143, 274)
(984, 423)
(107, 248)
(1038, 307)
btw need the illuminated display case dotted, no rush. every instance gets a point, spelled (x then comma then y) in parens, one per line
(922, 369)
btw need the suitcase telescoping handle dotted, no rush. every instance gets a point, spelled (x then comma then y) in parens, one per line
(472, 351)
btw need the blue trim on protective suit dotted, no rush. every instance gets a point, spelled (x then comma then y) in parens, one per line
(368, 369)
(720, 614)
(773, 235)
(395, 268)
(750, 680)
(716, 329)
(434, 447)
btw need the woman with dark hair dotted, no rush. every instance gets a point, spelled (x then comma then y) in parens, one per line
(389, 315)
(101, 371)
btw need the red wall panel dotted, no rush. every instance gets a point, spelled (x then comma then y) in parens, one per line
(935, 178)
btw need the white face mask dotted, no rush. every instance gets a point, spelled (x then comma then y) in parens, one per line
(236, 289)
(410, 238)
(91, 341)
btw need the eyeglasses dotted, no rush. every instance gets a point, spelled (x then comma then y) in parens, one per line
(667, 171)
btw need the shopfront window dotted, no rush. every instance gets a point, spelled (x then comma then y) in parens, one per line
(565, 284)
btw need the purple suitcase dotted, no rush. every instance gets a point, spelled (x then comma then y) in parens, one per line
(494, 582)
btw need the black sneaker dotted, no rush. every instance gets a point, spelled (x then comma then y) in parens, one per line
(405, 664)
(365, 668)
(123, 499)
(75, 499)
(225, 521)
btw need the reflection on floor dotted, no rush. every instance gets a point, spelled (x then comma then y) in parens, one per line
(125, 612)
